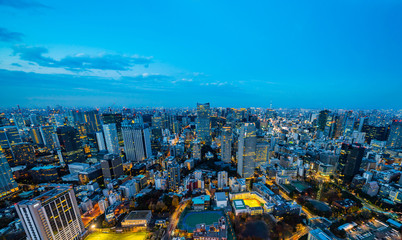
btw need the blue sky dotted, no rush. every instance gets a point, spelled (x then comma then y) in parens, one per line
(309, 54)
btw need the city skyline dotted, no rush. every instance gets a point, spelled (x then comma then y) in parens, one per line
(291, 55)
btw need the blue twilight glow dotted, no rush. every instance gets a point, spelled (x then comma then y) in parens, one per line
(343, 53)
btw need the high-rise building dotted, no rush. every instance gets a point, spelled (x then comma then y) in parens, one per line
(70, 144)
(196, 149)
(247, 150)
(92, 121)
(349, 125)
(23, 154)
(111, 139)
(54, 215)
(137, 142)
(261, 152)
(157, 121)
(322, 119)
(18, 120)
(101, 141)
(34, 119)
(112, 166)
(395, 135)
(117, 119)
(9, 136)
(374, 132)
(222, 179)
(349, 161)
(47, 135)
(36, 136)
(174, 176)
(226, 145)
(204, 123)
(7, 182)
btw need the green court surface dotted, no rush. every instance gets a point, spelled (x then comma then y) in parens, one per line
(191, 219)
(117, 236)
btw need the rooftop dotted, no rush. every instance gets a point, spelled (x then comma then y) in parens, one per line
(135, 215)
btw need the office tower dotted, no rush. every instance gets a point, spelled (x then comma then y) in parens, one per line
(137, 142)
(23, 154)
(330, 126)
(54, 215)
(204, 123)
(349, 161)
(222, 179)
(92, 121)
(374, 132)
(322, 119)
(117, 119)
(349, 125)
(58, 120)
(157, 121)
(47, 135)
(395, 135)
(247, 150)
(34, 119)
(36, 136)
(139, 120)
(363, 121)
(197, 150)
(112, 167)
(101, 141)
(7, 182)
(18, 120)
(339, 120)
(174, 176)
(111, 139)
(261, 152)
(9, 136)
(70, 144)
(226, 145)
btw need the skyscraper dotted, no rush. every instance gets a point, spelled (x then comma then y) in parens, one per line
(36, 136)
(7, 182)
(395, 135)
(137, 142)
(222, 179)
(18, 120)
(23, 154)
(47, 135)
(174, 176)
(8, 136)
(322, 119)
(226, 145)
(196, 149)
(70, 144)
(261, 150)
(112, 166)
(247, 150)
(204, 123)
(111, 139)
(101, 141)
(349, 161)
(92, 121)
(54, 215)
(116, 118)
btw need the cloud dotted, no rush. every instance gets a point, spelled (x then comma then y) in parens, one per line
(16, 64)
(7, 36)
(80, 62)
(22, 4)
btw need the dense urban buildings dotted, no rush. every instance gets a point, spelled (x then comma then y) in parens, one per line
(76, 173)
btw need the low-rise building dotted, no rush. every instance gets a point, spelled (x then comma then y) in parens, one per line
(137, 219)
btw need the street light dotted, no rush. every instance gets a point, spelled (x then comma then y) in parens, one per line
(93, 226)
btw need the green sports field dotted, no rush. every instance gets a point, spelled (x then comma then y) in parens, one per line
(191, 219)
(117, 236)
